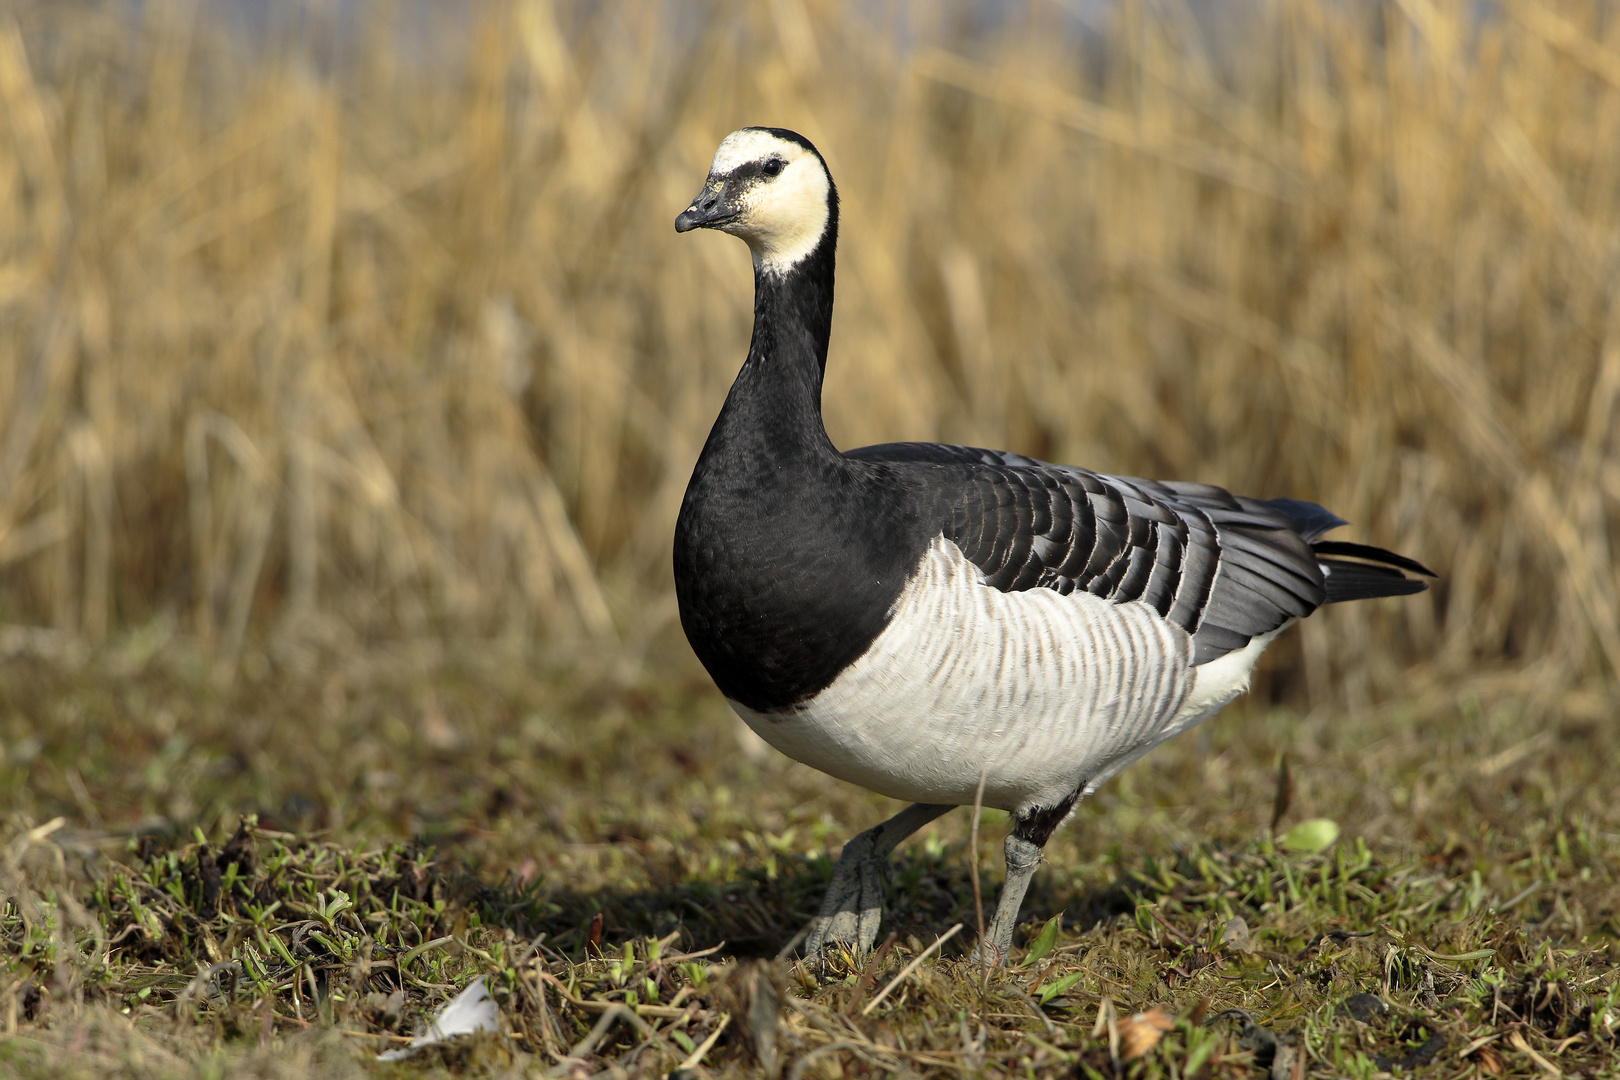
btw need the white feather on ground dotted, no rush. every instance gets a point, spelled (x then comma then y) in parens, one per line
(469, 1011)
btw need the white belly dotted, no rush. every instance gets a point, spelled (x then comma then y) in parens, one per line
(1046, 694)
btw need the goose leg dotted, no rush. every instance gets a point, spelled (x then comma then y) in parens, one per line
(1031, 831)
(853, 907)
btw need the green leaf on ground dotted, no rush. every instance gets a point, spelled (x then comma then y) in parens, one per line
(1044, 940)
(1309, 837)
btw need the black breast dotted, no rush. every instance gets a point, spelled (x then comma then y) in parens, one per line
(786, 571)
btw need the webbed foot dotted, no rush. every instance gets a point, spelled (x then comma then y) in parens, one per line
(852, 910)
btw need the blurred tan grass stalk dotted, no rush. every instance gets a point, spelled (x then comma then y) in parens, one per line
(335, 345)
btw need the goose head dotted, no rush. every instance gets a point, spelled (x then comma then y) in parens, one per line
(771, 188)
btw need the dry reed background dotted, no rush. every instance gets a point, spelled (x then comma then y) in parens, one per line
(321, 345)
(370, 327)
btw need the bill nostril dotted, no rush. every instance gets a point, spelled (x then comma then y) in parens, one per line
(708, 204)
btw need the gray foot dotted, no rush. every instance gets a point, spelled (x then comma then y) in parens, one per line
(852, 910)
(1023, 856)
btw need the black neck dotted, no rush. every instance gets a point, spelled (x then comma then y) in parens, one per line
(775, 405)
(800, 298)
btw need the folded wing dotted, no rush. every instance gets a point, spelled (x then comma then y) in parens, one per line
(1222, 567)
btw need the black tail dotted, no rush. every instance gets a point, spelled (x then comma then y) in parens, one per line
(1373, 571)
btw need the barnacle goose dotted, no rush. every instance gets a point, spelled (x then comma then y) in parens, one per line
(910, 617)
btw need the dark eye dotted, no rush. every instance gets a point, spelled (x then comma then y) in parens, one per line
(774, 167)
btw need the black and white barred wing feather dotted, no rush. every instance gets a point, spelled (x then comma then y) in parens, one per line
(1224, 568)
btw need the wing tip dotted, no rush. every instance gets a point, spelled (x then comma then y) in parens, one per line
(1366, 581)
(1373, 555)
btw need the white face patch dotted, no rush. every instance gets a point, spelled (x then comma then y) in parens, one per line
(751, 144)
(782, 217)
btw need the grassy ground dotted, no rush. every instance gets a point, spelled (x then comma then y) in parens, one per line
(370, 327)
(284, 877)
